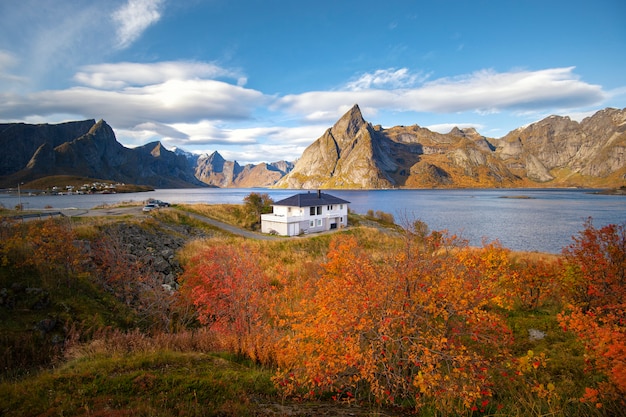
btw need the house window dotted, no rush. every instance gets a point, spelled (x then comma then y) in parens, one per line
(319, 209)
(319, 222)
(341, 206)
(312, 211)
(312, 223)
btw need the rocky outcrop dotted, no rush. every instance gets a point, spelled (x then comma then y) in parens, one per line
(154, 248)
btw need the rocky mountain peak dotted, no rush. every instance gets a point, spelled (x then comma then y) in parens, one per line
(349, 124)
(215, 161)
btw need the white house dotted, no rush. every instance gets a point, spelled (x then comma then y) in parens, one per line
(306, 213)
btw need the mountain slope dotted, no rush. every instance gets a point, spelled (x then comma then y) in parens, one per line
(560, 151)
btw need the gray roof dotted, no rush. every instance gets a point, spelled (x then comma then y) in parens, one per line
(310, 199)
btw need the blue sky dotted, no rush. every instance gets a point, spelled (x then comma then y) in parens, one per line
(261, 80)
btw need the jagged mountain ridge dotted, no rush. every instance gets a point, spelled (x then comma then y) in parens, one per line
(214, 170)
(90, 149)
(555, 151)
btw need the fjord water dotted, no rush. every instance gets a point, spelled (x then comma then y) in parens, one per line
(541, 220)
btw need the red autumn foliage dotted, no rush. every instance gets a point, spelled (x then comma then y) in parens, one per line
(596, 265)
(229, 290)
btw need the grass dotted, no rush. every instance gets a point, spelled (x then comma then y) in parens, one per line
(226, 213)
(162, 383)
(37, 316)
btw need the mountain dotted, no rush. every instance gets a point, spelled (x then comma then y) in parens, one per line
(88, 149)
(353, 153)
(555, 151)
(214, 170)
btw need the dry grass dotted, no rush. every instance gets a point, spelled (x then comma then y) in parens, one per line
(115, 342)
(227, 213)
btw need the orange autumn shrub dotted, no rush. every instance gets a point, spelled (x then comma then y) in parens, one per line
(48, 247)
(536, 281)
(596, 278)
(417, 327)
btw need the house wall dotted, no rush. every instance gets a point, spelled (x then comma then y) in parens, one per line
(273, 226)
(290, 221)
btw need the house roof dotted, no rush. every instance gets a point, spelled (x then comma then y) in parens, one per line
(310, 199)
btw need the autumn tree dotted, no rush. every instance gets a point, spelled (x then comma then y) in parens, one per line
(536, 281)
(596, 276)
(256, 204)
(230, 293)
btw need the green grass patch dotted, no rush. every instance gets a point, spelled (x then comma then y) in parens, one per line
(162, 383)
(36, 318)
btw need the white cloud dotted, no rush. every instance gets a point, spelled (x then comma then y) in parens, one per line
(247, 145)
(263, 153)
(133, 18)
(483, 92)
(123, 74)
(168, 102)
(7, 60)
(489, 91)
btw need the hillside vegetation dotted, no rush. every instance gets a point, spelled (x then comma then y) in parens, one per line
(374, 320)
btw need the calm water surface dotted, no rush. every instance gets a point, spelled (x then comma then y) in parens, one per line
(545, 222)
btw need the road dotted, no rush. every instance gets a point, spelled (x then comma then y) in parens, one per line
(230, 228)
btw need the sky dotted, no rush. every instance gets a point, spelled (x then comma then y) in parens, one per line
(259, 81)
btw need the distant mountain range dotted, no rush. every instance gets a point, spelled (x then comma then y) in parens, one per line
(89, 149)
(554, 152)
